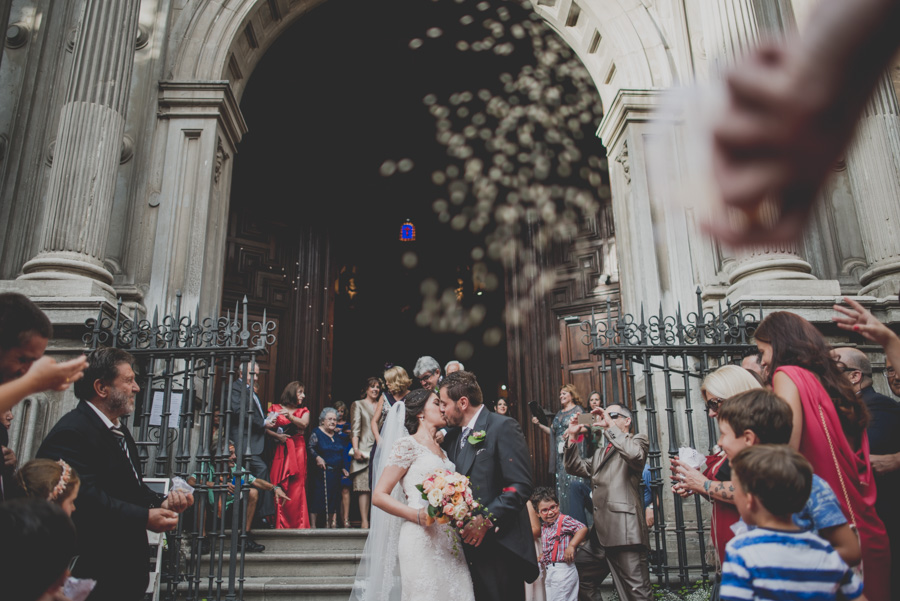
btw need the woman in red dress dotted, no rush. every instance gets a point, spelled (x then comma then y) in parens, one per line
(289, 464)
(829, 430)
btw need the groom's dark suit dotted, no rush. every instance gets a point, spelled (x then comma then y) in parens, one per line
(499, 469)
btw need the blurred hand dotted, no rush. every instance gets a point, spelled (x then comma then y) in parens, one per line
(47, 374)
(569, 554)
(280, 497)
(774, 145)
(321, 463)
(859, 319)
(439, 436)
(649, 516)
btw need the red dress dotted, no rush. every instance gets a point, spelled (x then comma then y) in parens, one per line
(289, 472)
(856, 472)
(724, 515)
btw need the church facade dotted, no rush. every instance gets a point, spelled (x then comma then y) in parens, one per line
(120, 122)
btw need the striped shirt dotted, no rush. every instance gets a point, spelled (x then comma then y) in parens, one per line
(772, 565)
(549, 537)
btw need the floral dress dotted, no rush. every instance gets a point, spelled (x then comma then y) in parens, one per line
(572, 491)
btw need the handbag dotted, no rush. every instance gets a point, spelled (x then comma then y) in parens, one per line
(859, 568)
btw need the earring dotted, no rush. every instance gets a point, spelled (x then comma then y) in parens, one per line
(421, 418)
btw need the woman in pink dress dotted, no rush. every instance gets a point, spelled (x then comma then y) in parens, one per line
(829, 430)
(289, 464)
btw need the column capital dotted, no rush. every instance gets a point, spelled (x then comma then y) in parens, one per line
(203, 100)
(629, 106)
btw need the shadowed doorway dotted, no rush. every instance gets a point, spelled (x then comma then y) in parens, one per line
(320, 192)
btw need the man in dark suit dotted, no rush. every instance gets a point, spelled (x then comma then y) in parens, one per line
(114, 508)
(490, 449)
(244, 400)
(884, 447)
(618, 542)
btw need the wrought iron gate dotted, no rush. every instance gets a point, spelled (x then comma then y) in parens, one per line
(186, 366)
(656, 364)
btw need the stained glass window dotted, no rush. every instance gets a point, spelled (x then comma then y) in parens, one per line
(407, 231)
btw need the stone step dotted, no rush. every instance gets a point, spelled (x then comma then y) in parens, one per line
(307, 588)
(310, 541)
(333, 564)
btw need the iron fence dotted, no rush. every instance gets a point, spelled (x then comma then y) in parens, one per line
(186, 367)
(656, 363)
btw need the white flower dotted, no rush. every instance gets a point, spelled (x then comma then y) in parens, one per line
(435, 496)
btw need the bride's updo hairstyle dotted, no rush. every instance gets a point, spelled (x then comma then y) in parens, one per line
(415, 404)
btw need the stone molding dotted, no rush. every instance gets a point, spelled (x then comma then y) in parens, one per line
(203, 100)
(629, 106)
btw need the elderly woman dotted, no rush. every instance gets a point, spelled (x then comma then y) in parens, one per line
(327, 451)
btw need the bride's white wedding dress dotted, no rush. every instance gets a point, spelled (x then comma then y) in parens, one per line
(432, 562)
(402, 560)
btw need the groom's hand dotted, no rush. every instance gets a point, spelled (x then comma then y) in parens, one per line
(473, 532)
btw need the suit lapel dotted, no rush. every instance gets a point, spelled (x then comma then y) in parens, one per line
(109, 439)
(467, 454)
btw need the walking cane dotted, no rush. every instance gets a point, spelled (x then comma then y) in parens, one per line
(325, 482)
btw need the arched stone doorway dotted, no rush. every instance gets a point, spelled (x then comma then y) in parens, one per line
(202, 126)
(314, 220)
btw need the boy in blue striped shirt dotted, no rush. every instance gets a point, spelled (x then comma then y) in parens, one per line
(777, 560)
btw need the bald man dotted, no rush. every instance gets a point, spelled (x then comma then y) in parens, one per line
(884, 446)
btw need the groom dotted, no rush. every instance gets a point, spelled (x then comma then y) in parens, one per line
(490, 449)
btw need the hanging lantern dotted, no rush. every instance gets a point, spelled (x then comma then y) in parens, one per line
(407, 231)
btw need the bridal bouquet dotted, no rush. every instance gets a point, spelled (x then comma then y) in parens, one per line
(449, 498)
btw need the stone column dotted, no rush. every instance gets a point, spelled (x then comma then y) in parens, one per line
(874, 168)
(88, 144)
(733, 28)
(199, 127)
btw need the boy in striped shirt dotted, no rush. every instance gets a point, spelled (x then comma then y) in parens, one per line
(560, 536)
(777, 560)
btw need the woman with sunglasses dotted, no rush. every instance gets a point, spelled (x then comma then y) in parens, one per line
(715, 481)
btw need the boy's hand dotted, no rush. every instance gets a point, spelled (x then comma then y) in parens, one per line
(569, 555)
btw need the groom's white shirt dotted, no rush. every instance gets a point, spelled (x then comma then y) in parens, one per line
(471, 424)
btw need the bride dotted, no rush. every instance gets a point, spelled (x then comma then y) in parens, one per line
(404, 558)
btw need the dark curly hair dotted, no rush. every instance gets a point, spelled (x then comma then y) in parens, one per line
(797, 342)
(415, 404)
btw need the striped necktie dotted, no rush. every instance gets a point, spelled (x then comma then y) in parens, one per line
(120, 438)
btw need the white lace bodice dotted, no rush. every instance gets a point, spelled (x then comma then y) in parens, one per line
(420, 462)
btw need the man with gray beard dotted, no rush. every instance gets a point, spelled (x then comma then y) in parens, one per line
(114, 508)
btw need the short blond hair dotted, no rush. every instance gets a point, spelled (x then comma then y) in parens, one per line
(728, 381)
(397, 380)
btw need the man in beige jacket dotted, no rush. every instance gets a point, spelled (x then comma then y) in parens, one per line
(618, 542)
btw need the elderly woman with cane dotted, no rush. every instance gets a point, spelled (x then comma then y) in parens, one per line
(327, 451)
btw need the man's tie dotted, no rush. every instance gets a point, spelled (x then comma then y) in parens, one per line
(120, 438)
(465, 435)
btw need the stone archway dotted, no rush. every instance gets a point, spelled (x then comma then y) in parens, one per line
(215, 50)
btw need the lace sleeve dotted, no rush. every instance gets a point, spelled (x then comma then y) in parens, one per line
(403, 453)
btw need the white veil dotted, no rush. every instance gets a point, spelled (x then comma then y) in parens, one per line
(378, 575)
